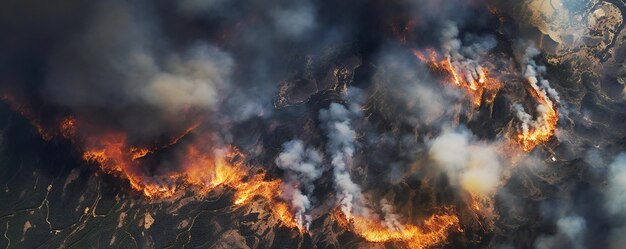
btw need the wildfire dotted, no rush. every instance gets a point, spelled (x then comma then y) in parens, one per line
(202, 168)
(433, 230)
(269, 190)
(473, 79)
(112, 153)
(201, 171)
(227, 169)
(540, 130)
(482, 88)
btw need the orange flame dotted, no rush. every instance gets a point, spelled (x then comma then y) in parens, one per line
(476, 83)
(201, 171)
(114, 156)
(546, 121)
(269, 190)
(227, 169)
(432, 231)
(480, 87)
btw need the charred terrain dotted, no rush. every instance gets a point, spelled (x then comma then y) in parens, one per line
(313, 124)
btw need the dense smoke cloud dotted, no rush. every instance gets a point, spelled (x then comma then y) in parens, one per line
(121, 64)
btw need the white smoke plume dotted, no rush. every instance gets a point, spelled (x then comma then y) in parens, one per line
(337, 122)
(464, 58)
(472, 165)
(534, 73)
(302, 168)
(527, 120)
(300, 203)
(549, 97)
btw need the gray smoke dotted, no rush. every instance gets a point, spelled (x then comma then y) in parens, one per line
(295, 19)
(466, 59)
(527, 120)
(570, 234)
(420, 98)
(340, 146)
(120, 63)
(390, 218)
(616, 198)
(302, 168)
(535, 74)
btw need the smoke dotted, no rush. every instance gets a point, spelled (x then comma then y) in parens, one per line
(412, 91)
(616, 198)
(121, 66)
(570, 234)
(340, 146)
(302, 168)
(337, 121)
(294, 20)
(472, 165)
(390, 218)
(299, 202)
(195, 7)
(300, 161)
(527, 121)
(534, 73)
(465, 58)
(149, 72)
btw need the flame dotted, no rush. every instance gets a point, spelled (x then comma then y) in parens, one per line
(432, 231)
(477, 83)
(137, 153)
(203, 169)
(547, 120)
(209, 172)
(67, 127)
(269, 190)
(483, 209)
(112, 153)
(481, 87)
(200, 171)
